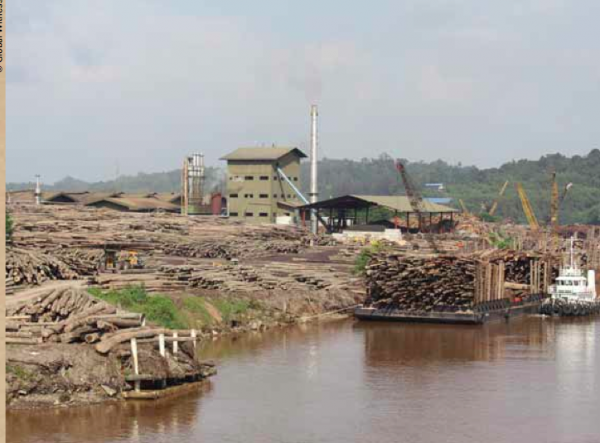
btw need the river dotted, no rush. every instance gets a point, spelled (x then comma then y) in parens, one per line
(530, 380)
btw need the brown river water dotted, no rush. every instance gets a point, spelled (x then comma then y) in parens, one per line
(530, 380)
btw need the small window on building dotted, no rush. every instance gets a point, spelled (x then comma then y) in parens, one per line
(233, 214)
(264, 178)
(263, 214)
(264, 195)
(282, 195)
(295, 179)
(289, 195)
(274, 177)
(274, 195)
(233, 196)
(249, 177)
(248, 195)
(287, 214)
(249, 214)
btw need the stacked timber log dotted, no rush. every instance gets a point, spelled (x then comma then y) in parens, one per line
(34, 267)
(85, 262)
(67, 315)
(453, 283)
(421, 284)
(231, 248)
(61, 243)
(49, 228)
(240, 279)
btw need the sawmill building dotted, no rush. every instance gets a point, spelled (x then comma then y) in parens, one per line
(256, 188)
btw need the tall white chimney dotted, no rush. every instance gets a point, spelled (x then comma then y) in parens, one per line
(314, 193)
(38, 190)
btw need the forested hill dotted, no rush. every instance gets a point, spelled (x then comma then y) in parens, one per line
(476, 187)
(143, 182)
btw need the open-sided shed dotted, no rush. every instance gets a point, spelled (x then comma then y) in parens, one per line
(358, 208)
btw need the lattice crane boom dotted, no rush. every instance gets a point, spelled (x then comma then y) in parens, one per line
(500, 194)
(416, 200)
(527, 208)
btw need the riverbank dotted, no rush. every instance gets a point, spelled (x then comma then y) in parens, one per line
(55, 374)
(213, 276)
(501, 382)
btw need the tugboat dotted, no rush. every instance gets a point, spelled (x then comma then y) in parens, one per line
(573, 294)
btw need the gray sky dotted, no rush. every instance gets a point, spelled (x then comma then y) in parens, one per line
(140, 84)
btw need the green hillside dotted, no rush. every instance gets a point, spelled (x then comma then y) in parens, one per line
(475, 186)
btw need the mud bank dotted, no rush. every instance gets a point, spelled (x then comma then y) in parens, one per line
(60, 375)
(75, 374)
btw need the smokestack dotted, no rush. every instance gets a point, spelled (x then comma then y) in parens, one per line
(314, 193)
(38, 190)
(201, 171)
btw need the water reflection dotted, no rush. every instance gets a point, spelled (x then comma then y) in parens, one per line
(530, 380)
(108, 422)
(410, 344)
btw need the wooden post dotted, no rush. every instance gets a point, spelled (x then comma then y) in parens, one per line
(532, 277)
(136, 368)
(175, 344)
(330, 221)
(161, 344)
(502, 279)
(193, 333)
(488, 279)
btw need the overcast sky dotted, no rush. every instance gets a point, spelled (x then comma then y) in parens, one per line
(138, 84)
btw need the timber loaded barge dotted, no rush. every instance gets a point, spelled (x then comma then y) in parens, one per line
(501, 311)
(461, 289)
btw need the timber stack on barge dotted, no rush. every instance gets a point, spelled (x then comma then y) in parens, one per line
(470, 289)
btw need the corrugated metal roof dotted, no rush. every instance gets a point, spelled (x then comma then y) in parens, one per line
(395, 203)
(138, 204)
(270, 154)
(401, 203)
(94, 196)
(167, 196)
(439, 200)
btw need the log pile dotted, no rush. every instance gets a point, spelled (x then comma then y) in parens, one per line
(67, 315)
(52, 228)
(231, 248)
(240, 279)
(421, 284)
(34, 267)
(452, 283)
(62, 242)
(85, 262)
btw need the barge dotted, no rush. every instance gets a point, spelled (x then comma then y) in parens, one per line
(499, 311)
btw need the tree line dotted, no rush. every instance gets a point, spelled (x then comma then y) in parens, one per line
(478, 188)
(377, 176)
